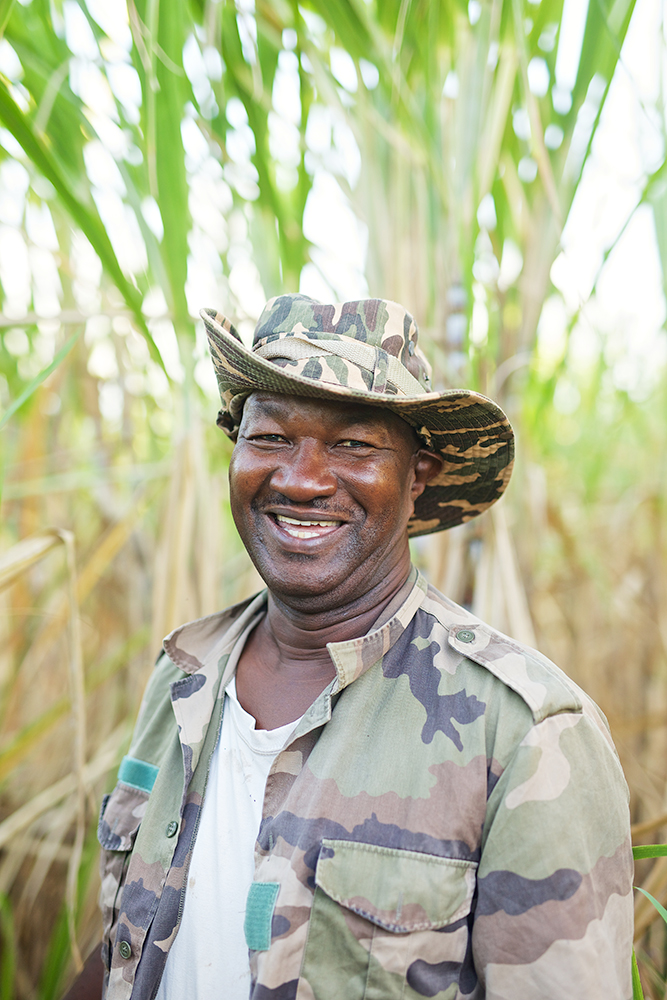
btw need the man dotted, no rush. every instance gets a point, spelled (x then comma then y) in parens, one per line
(349, 775)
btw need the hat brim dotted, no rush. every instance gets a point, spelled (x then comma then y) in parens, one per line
(471, 433)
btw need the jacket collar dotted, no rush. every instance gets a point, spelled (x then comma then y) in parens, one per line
(200, 644)
(353, 657)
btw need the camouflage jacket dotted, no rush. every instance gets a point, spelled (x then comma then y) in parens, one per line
(448, 820)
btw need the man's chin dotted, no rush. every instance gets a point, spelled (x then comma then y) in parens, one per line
(306, 579)
(300, 585)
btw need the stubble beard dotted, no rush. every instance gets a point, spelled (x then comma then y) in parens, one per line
(309, 583)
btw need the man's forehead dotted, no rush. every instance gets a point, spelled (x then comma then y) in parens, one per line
(343, 412)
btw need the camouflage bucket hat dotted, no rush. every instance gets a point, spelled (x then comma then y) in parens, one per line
(367, 351)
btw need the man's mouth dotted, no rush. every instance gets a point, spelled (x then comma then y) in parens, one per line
(306, 527)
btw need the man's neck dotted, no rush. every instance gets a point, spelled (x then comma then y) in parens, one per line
(286, 664)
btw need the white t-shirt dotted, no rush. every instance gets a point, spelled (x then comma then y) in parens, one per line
(209, 957)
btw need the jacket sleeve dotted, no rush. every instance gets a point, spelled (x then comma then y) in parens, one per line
(554, 910)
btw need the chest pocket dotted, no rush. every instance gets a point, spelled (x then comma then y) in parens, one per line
(387, 923)
(120, 818)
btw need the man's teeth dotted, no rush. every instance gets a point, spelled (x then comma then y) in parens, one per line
(295, 533)
(307, 524)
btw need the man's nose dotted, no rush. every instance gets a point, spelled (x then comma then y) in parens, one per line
(305, 473)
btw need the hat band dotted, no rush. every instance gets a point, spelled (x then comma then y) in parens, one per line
(384, 367)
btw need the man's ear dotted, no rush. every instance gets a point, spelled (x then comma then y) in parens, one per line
(427, 466)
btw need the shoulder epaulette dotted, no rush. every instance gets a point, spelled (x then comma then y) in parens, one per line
(542, 685)
(545, 688)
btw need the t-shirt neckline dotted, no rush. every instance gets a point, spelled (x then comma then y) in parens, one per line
(263, 741)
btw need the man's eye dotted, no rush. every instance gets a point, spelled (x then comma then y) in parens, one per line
(270, 438)
(353, 443)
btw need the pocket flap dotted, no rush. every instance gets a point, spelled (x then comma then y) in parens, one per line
(120, 816)
(399, 890)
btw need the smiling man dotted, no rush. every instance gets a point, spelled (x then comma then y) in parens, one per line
(349, 787)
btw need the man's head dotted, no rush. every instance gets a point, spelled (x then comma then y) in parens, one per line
(322, 492)
(367, 353)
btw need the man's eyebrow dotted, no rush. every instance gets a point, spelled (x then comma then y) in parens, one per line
(270, 407)
(362, 419)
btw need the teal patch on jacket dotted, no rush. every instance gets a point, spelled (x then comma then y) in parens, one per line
(259, 913)
(137, 773)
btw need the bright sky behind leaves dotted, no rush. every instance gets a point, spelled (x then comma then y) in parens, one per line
(627, 310)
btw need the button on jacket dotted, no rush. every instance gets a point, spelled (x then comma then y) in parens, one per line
(449, 820)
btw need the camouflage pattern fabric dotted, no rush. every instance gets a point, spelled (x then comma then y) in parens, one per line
(368, 351)
(449, 820)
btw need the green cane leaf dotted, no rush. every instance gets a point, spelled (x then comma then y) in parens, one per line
(649, 851)
(637, 992)
(5, 10)
(38, 379)
(659, 907)
(37, 149)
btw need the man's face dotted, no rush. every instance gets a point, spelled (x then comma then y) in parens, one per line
(321, 493)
